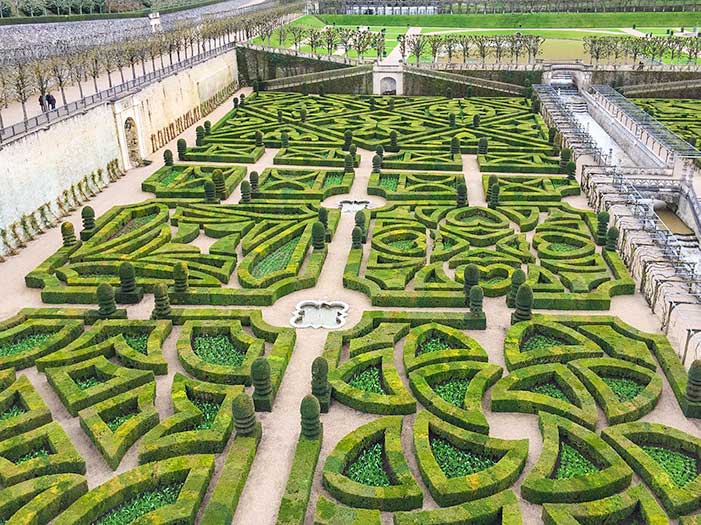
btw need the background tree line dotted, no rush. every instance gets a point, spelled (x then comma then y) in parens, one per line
(636, 50)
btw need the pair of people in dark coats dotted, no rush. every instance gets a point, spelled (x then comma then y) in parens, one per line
(47, 102)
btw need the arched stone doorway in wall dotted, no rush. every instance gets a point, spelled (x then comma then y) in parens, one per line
(132, 140)
(388, 86)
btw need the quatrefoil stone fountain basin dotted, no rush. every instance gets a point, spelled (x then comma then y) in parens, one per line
(320, 314)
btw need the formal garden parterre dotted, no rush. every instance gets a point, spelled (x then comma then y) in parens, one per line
(221, 241)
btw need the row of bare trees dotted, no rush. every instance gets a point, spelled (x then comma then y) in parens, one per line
(28, 72)
(631, 49)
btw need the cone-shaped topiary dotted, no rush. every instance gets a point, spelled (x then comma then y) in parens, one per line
(253, 178)
(461, 194)
(357, 238)
(105, 300)
(321, 388)
(565, 157)
(476, 299)
(68, 234)
(348, 163)
(571, 170)
(524, 304)
(693, 385)
(517, 279)
(219, 184)
(483, 146)
(476, 119)
(259, 138)
(161, 309)
(455, 146)
(493, 196)
(471, 277)
(347, 139)
(318, 236)
(393, 140)
(602, 224)
(88, 216)
(262, 386)
(324, 216)
(244, 415)
(210, 192)
(309, 410)
(127, 277)
(181, 276)
(168, 157)
(245, 192)
(376, 163)
(199, 136)
(182, 149)
(612, 239)
(284, 139)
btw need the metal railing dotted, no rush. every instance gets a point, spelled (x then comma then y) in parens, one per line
(303, 54)
(660, 86)
(16, 131)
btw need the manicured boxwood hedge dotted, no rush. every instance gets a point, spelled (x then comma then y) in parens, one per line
(293, 507)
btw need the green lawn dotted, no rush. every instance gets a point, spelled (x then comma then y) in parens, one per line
(545, 33)
(517, 20)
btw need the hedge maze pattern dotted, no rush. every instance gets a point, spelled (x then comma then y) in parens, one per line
(218, 234)
(679, 115)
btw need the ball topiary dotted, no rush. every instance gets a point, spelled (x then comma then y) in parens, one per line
(210, 192)
(245, 192)
(181, 276)
(357, 238)
(244, 415)
(483, 146)
(461, 193)
(168, 157)
(199, 136)
(127, 277)
(612, 239)
(517, 279)
(68, 234)
(161, 310)
(471, 277)
(311, 424)
(105, 301)
(476, 299)
(182, 149)
(262, 386)
(524, 304)
(321, 388)
(602, 224)
(253, 178)
(318, 236)
(219, 183)
(693, 385)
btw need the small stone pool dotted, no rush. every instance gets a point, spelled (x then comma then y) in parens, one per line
(319, 314)
(351, 206)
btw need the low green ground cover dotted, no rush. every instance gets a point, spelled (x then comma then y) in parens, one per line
(218, 349)
(681, 467)
(552, 390)
(140, 505)
(369, 468)
(625, 389)
(453, 391)
(456, 462)
(23, 343)
(368, 380)
(572, 463)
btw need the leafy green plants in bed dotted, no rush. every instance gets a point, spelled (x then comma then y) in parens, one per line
(435, 344)
(12, 411)
(681, 467)
(456, 462)
(551, 389)
(133, 224)
(540, 341)
(368, 380)
(138, 341)
(333, 179)
(389, 182)
(369, 467)
(453, 390)
(41, 452)
(117, 421)
(85, 383)
(140, 505)
(404, 244)
(22, 344)
(624, 388)
(572, 463)
(560, 247)
(209, 410)
(218, 349)
(277, 260)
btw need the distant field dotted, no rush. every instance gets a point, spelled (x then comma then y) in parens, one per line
(554, 33)
(516, 20)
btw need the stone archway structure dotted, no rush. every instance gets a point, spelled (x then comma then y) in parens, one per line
(388, 79)
(131, 134)
(388, 86)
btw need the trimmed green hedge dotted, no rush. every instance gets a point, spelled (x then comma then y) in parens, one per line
(293, 507)
(502, 508)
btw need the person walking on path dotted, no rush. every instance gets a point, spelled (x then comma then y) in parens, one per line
(51, 101)
(42, 103)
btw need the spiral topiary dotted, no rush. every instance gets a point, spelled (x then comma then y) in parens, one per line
(162, 309)
(357, 238)
(87, 214)
(244, 415)
(210, 192)
(182, 149)
(284, 139)
(168, 157)
(455, 146)
(612, 239)
(105, 301)
(471, 277)
(476, 120)
(524, 304)
(348, 163)
(262, 386)
(245, 192)
(318, 236)
(360, 223)
(259, 138)
(376, 163)
(199, 136)
(380, 150)
(353, 149)
(693, 385)
(253, 178)
(517, 279)
(393, 140)
(461, 194)
(324, 216)
(321, 388)
(68, 234)
(219, 183)
(347, 139)
(493, 196)
(127, 277)
(451, 120)
(602, 224)
(311, 424)
(476, 299)
(207, 127)
(181, 276)
(483, 146)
